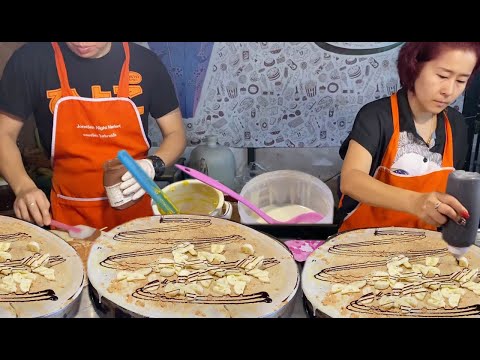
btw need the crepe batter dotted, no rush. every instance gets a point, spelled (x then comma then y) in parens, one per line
(283, 212)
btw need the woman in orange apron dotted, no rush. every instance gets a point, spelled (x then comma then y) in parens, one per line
(406, 186)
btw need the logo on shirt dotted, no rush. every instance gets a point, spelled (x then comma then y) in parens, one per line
(134, 78)
(134, 90)
(414, 157)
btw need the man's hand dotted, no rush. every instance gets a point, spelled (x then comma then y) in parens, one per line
(131, 186)
(32, 205)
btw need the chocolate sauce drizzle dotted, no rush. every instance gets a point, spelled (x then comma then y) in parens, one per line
(362, 305)
(14, 237)
(396, 237)
(333, 274)
(359, 306)
(130, 261)
(206, 242)
(30, 296)
(23, 265)
(118, 262)
(147, 236)
(144, 294)
(394, 232)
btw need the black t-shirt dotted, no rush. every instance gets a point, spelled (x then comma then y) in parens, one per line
(30, 82)
(373, 129)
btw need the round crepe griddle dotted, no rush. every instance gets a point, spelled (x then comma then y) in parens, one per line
(46, 298)
(355, 255)
(140, 243)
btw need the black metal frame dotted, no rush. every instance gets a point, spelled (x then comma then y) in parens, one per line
(471, 112)
(297, 231)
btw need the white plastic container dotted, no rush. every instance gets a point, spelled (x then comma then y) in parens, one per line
(285, 187)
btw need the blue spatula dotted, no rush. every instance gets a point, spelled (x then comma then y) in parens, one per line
(165, 206)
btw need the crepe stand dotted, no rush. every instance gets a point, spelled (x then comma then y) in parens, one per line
(422, 286)
(147, 243)
(47, 296)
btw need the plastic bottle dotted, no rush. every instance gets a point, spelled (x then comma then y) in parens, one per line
(113, 171)
(215, 160)
(465, 187)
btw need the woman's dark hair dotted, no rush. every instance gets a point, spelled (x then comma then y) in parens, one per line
(413, 55)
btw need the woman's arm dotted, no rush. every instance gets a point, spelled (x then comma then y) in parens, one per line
(359, 185)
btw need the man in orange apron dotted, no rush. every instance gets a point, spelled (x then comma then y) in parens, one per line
(406, 186)
(87, 131)
(78, 195)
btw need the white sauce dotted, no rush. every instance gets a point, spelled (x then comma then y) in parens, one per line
(283, 212)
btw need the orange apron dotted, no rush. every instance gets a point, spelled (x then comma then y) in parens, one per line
(366, 216)
(87, 132)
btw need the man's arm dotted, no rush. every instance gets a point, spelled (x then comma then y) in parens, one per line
(172, 146)
(31, 204)
(359, 185)
(174, 138)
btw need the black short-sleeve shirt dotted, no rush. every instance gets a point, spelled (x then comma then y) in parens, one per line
(373, 129)
(30, 82)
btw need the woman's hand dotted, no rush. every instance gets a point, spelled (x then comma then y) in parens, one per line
(32, 205)
(435, 208)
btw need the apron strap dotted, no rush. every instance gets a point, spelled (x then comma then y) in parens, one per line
(447, 160)
(124, 76)
(391, 152)
(62, 71)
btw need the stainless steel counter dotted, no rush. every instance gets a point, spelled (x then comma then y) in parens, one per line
(86, 309)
